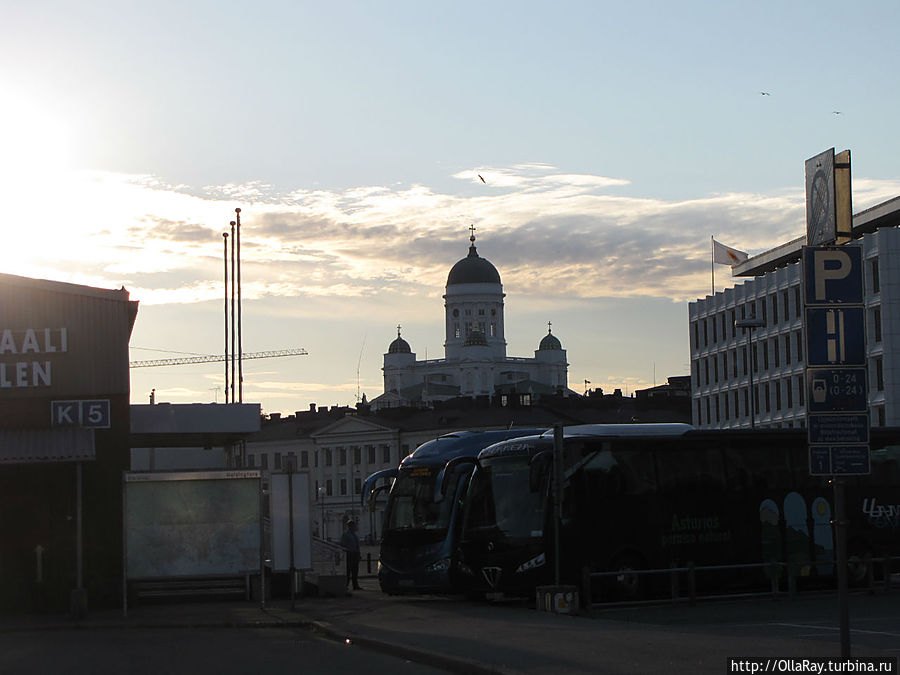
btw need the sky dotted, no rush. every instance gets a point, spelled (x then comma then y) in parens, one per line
(614, 140)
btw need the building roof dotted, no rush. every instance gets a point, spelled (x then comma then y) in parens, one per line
(550, 342)
(473, 269)
(886, 214)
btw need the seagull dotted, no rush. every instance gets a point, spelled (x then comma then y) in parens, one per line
(482, 179)
(835, 112)
(764, 93)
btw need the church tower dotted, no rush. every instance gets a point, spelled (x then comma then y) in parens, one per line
(473, 303)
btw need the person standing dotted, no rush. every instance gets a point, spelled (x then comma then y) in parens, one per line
(350, 544)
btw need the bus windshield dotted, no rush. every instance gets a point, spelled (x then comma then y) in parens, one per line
(411, 505)
(500, 499)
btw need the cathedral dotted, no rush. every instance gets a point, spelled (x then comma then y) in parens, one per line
(475, 361)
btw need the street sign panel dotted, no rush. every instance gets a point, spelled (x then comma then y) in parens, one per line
(836, 390)
(838, 429)
(85, 414)
(843, 460)
(835, 336)
(820, 211)
(833, 274)
(850, 460)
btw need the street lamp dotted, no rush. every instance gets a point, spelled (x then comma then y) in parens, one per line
(749, 325)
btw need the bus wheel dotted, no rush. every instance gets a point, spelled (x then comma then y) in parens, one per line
(628, 585)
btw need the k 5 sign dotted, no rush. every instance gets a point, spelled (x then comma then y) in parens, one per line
(85, 414)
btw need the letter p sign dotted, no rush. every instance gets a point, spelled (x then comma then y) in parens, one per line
(833, 274)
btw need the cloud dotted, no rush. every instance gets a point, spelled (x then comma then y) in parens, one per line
(551, 234)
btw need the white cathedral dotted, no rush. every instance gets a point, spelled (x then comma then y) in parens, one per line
(475, 361)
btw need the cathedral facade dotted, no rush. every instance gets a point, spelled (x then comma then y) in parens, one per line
(475, 361)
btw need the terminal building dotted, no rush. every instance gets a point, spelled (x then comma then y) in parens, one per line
(726, 361)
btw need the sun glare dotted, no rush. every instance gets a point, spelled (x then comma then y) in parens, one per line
(33, 142)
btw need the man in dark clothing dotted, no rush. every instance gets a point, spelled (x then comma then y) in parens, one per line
(350, 544)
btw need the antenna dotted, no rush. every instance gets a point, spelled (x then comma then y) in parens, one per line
(358, 399)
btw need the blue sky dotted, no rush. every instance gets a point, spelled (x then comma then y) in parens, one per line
(614, 139)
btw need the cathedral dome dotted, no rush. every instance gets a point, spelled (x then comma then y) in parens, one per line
(399, 346)
(473, 269)
(550, 342)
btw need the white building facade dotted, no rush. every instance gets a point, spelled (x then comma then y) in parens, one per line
(733, 369)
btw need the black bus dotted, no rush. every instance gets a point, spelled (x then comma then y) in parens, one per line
(421, 520)
(663, 496)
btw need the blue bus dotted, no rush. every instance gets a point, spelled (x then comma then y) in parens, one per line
(663, 496)
(421, 518)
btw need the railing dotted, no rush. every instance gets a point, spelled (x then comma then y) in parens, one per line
(690, 571)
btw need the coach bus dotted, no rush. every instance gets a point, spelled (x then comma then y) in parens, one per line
(422, 521)
(662, 496)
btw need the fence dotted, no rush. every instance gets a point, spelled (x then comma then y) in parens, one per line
(690, 571)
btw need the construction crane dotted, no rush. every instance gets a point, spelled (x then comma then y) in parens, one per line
(214, 358)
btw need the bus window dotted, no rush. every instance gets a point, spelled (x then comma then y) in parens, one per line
(764, 468)
(622, 471)
(690, 469)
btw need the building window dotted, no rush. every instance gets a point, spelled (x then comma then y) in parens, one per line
(734, 363)
(304, 459)
(789, 389)
(327, 457)
(733, 329)
(785, 306)
(706, 371)
(737, 409)
(777, 385)
(264, 461)
(342, 456)
(787, 350)
(718, 413)
(768, 397)
(251, 461)
(744, 359)
(708, 416)
(725, 402)
(715, 332)
(386, 453)
(775, 351)
(329, 489)
(746, 403)
(696, 335)
(357, 455)
(879, 416)
(765, 351)
(370, 451)
(705, 334)
(799, 343)
(277, 461)
(797, 303)
(876, 281)
(343, 486)
(876, 320)
(715, 369)
(774, 308)
(357, 486)
(724, 365)
(801, 383)
(879, 374)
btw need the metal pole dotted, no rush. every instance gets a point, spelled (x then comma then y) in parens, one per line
(840, 507)
(557, 495)
(232, 312)
(262, 548)
(750, 355)
(291, 528)
(79, 532)
(225, 241)
(240, 347)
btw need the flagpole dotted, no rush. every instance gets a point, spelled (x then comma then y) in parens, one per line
(712, 262)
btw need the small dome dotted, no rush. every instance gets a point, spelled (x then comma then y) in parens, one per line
(475, 339)
(550, 342)
(473, 269)
(399, 346)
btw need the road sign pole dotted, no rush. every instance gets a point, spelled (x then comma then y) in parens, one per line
(840, 507)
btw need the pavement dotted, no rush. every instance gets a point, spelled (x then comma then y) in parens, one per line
(512, 638)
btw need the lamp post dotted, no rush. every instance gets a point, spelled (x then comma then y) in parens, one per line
(749, 325)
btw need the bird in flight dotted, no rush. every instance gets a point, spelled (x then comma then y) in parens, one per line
(764, 93)
(835, 112)
(482, 179)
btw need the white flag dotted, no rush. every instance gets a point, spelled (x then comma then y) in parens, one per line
(725, 255)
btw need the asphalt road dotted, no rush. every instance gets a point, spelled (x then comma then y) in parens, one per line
(190, 651)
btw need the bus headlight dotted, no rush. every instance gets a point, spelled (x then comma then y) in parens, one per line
(534, 563)
(441, 565)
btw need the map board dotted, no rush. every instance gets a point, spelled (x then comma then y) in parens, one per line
(191, 523)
